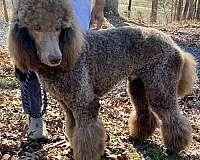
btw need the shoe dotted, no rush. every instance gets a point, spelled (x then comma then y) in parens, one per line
(37, 128)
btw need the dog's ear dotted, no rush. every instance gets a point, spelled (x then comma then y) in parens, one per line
(70, 42)
(22, 48)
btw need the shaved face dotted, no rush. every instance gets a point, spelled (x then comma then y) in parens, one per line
(47, 44)
(44, 20)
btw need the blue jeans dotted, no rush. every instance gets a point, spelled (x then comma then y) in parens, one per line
(34, 92)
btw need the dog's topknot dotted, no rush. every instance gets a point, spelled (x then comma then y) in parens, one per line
(31, 14)
(43, 16)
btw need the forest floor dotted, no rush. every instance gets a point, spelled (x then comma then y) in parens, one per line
(114, 112)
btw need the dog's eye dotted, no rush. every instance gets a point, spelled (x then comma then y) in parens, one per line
(57, 28)
(37, 28)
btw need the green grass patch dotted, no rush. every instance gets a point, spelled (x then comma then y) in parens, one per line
(8, 83)
(157, 154)
(134, 155)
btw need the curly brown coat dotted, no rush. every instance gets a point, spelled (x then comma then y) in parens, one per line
(78, 68)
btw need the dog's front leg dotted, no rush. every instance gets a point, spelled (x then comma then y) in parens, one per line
(89, 135)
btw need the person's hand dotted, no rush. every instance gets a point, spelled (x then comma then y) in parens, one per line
(97, 15)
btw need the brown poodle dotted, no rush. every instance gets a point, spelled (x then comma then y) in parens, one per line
(79, 68)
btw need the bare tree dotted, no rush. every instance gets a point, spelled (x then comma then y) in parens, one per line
(5, 11)
(195, 9)
(186, 8)
(179, 10)
(198, 11)
(129, 5)
(111, 8)
(175, 8)
(172, 9)
(154, 11)
(191, 10)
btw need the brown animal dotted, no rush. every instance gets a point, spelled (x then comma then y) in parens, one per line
(78, 68)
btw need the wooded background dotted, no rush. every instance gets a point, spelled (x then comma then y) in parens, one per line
(177, 9)
(145, 10)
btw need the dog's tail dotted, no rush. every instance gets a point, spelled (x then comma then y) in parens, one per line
(188, 75)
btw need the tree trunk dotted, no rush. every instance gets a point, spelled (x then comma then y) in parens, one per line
(154, 11)
(195, 9)
(5, 11)
(112, 15)
(175, 9)
(172, 10)
(179, 10)
(198, 10)
(186, 8)
(191, 10)
(129, 5)
(111, 8)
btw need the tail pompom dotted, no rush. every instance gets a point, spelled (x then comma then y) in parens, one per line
(188, 74)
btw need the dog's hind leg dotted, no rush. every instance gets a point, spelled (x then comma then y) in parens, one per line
(142, 122)
(161, 87)
(89, 134)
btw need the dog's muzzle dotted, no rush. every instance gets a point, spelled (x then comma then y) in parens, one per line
(55, 59)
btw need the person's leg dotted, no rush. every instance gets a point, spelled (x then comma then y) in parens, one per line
(33, 95)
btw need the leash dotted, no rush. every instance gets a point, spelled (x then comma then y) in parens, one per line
(27, 98)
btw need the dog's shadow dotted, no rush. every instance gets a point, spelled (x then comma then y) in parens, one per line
(148, 150)
(33, 149)
(42, 149)
(153, 151)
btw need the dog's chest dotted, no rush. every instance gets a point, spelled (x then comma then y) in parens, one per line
(60, 85)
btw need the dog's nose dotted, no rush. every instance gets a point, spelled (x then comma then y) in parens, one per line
(54, 59)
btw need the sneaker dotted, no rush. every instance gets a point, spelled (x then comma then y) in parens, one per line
(37, 128)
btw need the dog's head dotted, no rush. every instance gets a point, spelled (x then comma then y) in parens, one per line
(43, 31)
